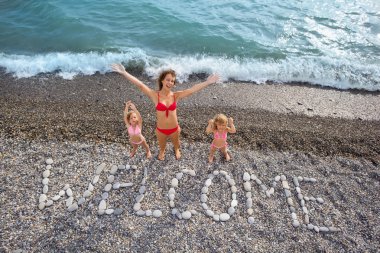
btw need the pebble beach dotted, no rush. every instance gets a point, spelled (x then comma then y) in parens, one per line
(304, 174)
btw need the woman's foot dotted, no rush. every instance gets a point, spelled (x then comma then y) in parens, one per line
(177, 154)
(161, 156)
(210, 159)
(148, 155)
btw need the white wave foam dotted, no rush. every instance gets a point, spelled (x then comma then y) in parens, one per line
(338, 73)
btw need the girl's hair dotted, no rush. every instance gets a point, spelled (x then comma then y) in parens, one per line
(128, 115)
(163, 75)
(219, 119)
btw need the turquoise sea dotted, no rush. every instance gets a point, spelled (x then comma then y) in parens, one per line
(323, 42)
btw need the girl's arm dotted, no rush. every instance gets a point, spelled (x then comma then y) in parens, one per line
(133, 107)
(231, 128)
(125, 114)
(117, 67)
(185, 93)
(209, 126)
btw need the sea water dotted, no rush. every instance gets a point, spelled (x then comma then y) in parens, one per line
(324, 42)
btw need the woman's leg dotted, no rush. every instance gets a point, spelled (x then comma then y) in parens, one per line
(162, 139)
(146, 146)
(134, 149)
(176, 143)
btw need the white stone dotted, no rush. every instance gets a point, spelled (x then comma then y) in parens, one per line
(46, 173)
(49, 161)
(294, 216)
(316, 229)
(204, 198)
(111, 178)
(134, 167)
(323, 229)
(253, 177)
(67, 186)
(127, 167)
(251, 220)
(204, 189)
(234, 203)
(174, 182)
(103, 204)
(157, 213)
(204, 205)
(231, 210)
(277, 178)
(247, 186)
(100, 168)
(56, 197)
(86, 194)
(224, 217)
(69, 192)
(171, 196)
(223, 172)
(105, 195)
(90, 187)
(248, 194)
(208, 182)
(48, 167)
(233, 195)
(113, 169)
(96, 179)
(148, 212)
(285, 185)
(101, 211)
(45, 181)
(61, 193)
(192, 173)
(139, 198)
(250, 211)
(296, 223)
(310, 226)
(174, 211)
(246, 176)
(109, 211)
(231, 182)
(45, 189)
(49, 202)
(81, 201)
(142, 189)
(179, 175)
(108, 187)
(215, 172)
(249, 203)
(41, 205)
(42, 198)
(141, 213)
(233, 189)
(320, 200)
(123, 185)
(69, 201)
(73, 207)
(136, 207)
(186, 215)
(171, 203)
(116, 185)
(193, 212)
(171, 191)
(216, 217)
(209, 212)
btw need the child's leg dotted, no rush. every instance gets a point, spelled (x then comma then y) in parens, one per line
(134, 149)
(226, 155)
(145, 145)
(211, 155)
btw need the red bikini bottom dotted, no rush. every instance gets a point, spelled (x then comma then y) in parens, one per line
(168, 131)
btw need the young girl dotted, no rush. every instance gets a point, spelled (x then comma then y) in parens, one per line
(220, 126)
(133, 121)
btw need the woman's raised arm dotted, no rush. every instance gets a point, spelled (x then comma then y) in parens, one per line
(117, 67)
(185, 93)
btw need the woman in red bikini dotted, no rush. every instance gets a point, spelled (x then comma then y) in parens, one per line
(220, 125)
(165, 101)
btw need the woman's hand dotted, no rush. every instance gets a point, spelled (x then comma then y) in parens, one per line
(117, 67)
(213, 78)
(230, 121)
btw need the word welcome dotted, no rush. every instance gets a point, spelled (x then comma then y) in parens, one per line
(104, 208)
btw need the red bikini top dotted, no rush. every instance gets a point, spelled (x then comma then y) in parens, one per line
(162, 107)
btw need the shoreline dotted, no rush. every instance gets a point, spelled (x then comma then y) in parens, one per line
(323, 122)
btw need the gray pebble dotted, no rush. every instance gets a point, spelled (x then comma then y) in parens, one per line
(216, 217)
(105, 195)
(224, 217)
(140, 212)
(114, 169)
(251, 220)
(296, 223)
(49, 161)
(73, 207)
(157, 213)
(186, 215)
(108, 187)
(118, 211)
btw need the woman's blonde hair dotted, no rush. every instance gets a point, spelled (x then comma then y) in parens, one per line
(219, 119)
